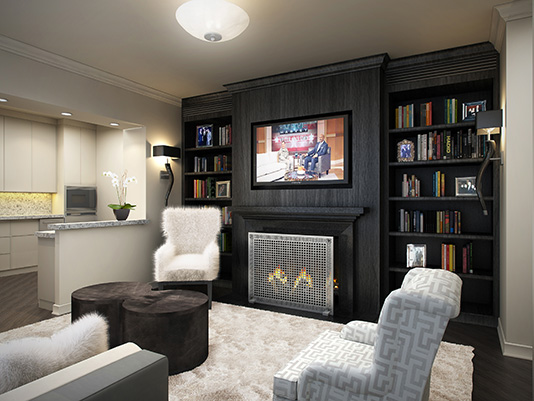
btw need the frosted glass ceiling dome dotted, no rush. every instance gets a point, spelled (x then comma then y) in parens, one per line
(212, 20)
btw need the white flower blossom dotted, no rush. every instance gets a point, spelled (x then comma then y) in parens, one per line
(120, 185)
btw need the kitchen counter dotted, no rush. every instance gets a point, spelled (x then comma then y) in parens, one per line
(51, 232)
(32, 217)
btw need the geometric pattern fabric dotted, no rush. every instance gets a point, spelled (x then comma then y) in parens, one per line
(387, 361)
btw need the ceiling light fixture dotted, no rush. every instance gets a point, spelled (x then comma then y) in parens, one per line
(66, 114)
(3, 100)
(212, 20)
(114, 124)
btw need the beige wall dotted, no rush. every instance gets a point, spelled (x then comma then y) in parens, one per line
(515, 323)
(25, 78)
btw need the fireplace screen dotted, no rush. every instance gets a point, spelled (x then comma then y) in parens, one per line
(294, 271)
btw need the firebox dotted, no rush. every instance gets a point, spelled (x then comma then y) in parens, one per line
(294, 271)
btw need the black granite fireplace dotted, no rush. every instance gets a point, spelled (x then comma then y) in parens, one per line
(337, 222)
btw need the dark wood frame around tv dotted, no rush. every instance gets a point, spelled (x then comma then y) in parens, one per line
(282, 183)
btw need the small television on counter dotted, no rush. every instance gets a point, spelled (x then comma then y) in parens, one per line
(302, 152)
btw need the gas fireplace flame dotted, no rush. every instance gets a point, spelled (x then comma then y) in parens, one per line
(279, 275)
(303, 277)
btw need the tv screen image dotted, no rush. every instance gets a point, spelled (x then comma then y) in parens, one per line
(307, 151)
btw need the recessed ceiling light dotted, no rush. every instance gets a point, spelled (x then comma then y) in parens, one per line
(66, 114)
(3, 100)
(114, 124)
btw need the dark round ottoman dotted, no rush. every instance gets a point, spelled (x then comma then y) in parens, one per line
(106, 299)
(172, 323)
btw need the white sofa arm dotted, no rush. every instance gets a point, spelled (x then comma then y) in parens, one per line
(359, 331)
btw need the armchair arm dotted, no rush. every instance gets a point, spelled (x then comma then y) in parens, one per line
(333, 380)
(359, 331)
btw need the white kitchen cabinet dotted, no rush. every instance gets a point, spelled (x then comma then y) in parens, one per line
(5, 246)
(24, 243)
(1, 153)
(17, 155)
(44, 160)
(79, 155)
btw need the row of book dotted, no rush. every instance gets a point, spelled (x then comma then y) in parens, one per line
(438, 184)
(462, 144)
(410, 187)
(430, 221)
(225, 242)
(226, 215)
(225, 135)
(220, 163)
(448, 257)
(404, 115)
(204, 188)
(451, 111)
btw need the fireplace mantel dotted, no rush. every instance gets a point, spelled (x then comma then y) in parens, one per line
(338, 222)
(297, 213)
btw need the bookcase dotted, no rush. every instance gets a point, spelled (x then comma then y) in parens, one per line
(207, 165)
(423, 210)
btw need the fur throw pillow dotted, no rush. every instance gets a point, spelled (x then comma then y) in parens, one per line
(28, 359)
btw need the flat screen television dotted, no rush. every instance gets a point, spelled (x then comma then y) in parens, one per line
(302, 152)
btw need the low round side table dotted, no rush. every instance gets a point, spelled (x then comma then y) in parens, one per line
(106, 299)
(173, 323)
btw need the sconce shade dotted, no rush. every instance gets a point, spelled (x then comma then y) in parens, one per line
(489, 122)
(167, 151)
(212, 20)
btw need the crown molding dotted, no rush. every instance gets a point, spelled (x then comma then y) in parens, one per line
(504, 13)
(33, 53)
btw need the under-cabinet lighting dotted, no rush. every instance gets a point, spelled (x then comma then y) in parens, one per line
(66, 114)
(3, 100)
(114, 124)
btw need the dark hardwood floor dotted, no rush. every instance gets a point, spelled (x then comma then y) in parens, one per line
(495, 378)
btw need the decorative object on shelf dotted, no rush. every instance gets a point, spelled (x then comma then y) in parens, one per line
(487, 123)
(223, 189)
(415, 255)
(212, 20)
(121, 186)
(466, 186)
(204, 135)
(169, 152)
(470, 109)
(405, 151)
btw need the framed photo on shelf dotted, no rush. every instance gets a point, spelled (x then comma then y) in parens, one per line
(204, 135)
(469, 110)
(405, 151)
(415, 255)
(222, 189)
(466, 186)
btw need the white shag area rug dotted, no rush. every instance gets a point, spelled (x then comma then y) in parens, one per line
(248, 346)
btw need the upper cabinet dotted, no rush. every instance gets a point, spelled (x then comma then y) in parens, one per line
(79, 151)
(29, 156)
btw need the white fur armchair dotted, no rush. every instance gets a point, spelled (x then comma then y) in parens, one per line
(191, 251)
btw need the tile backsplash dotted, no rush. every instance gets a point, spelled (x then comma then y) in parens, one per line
(25, 204)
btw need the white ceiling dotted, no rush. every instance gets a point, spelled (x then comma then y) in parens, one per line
(141, 41)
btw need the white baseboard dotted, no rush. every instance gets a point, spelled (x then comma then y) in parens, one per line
(60, 309)
(520, 351)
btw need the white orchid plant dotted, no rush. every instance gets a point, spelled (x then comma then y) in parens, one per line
(121, 186)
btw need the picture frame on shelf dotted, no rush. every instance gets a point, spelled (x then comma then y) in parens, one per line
(222, 189)
(204, 135)
(465, 186)
(470, 109)
(405, 151)
(415, 255)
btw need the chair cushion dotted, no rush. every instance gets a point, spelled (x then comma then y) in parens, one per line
(328, 346)
(27, 359)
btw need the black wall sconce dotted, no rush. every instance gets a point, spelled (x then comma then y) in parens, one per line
(487, 123)
(169, 152)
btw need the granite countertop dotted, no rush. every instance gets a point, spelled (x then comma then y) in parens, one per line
(97, 224)
(32, 217)
(46, 234)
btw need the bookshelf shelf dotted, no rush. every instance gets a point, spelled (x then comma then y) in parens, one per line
(205, 166)
(456, 152)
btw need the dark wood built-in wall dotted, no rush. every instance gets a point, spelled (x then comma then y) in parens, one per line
(368, 88)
